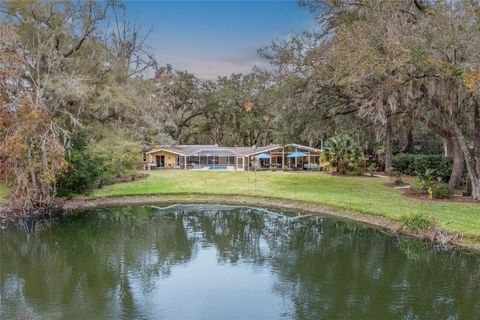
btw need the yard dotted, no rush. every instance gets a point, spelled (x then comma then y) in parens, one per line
(362, 194)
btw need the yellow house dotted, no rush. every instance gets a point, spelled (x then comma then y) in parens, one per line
(213, 157)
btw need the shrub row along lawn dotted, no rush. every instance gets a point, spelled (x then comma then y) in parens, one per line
(362, 194)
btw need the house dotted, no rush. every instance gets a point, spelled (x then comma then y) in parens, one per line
(213, 157)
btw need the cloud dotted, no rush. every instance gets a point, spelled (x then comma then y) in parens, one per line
(209, 66)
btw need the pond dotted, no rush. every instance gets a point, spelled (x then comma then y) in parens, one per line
(222, 262)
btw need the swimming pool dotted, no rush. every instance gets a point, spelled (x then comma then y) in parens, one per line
(218, 168)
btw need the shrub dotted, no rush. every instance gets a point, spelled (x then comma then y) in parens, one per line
(102, 162)
(403, 162)
(398, 178)
(428, 175)
(442, 191)
(416, 222)
(418, 187)
(353, 171)
(342, 152)
(82, 171)
(372, 169)
(411, 164)
(116, 155)
(441, 164)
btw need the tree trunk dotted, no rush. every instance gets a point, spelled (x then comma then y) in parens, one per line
(458, 163)
(472, 159)
(476, 189)
(452, 147)
(408, 142)
(447, 146)
(389, 145)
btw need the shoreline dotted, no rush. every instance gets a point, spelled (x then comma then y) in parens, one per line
(434, 235)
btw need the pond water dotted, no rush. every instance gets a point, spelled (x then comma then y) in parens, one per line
(219, 262)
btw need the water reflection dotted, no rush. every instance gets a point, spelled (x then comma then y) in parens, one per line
(182, 262)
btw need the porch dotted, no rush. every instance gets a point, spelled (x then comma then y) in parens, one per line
(290, 157)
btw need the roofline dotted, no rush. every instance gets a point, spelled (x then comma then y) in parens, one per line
(225, 148)
(231, 149)
(167, 150)
(257, 152)
(302, 146)
(283, 146)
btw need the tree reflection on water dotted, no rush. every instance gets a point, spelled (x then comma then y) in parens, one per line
(100, 263)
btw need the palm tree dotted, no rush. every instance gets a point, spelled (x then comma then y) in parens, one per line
(342, 152)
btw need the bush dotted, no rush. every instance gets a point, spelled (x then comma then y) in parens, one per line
(416, 222)
(398, 178)
(428, 175)
(342, 152)
(442, 191)
(82, 171)
(372, 169)
(403, 162)
(353, 171)
(99, 163)
(116, 155)
(412, 164)
(418, 187)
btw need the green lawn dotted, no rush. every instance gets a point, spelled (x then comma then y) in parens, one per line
(362, 194)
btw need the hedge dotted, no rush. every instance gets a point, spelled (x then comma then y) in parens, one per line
(416, 164)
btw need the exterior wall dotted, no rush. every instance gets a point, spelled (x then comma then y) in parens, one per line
(170, 158)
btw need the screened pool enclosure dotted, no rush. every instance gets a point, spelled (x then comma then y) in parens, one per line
(213, 157)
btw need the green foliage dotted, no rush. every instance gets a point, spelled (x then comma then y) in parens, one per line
(442, 191)
(353, 171)
(428, 175)
(416, 222)
(403, 162)
(116, 155)
(372, 169)
(3, 193)
(82, 172)
(417, 165)
(342, 152)
(101, 163)
(418, 187)
(398, 178)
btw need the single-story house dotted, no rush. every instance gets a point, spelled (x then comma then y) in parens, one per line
(213, 157)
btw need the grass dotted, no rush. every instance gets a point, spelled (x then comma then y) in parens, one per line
(416, 222)
(360, 194)
(3, 193)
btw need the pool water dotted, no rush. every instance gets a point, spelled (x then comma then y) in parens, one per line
(218, 168)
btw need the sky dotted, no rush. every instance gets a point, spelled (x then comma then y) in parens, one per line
(216, 38)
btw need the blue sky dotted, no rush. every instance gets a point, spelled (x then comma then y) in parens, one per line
(212, 38)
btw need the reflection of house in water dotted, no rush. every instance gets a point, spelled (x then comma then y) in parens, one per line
(213, 157)
(205, 220)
